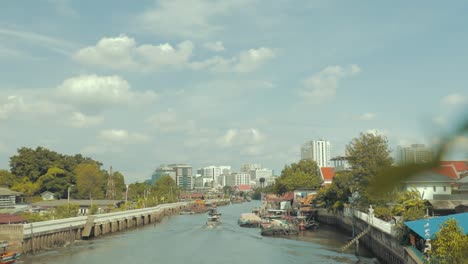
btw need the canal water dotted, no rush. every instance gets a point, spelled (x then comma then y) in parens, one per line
(185, 239)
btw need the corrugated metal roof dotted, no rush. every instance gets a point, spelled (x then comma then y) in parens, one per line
(418, 226)
(6, 191)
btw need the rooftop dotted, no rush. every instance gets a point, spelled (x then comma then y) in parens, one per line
(11, 219)
(6, 191)
(327, 173)
(447, 170)
(429, 177)
(434, 224)
(460, 165)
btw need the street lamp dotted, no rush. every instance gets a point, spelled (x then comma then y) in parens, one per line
(68, 197)
(126, 194)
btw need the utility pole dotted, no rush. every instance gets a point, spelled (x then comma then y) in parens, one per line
(110, 194)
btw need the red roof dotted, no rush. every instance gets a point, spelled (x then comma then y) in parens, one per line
(11, 219)
(245, 187)
(327, 173)
(460, 165)
(447, 170)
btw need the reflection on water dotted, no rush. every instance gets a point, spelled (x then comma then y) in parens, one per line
(186, 239)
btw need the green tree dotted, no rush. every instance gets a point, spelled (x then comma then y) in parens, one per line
(304, 174)
(89, 181)
(368, 155)
(165, 190)
(451, 244)
(56, 180)
(339, 190)
(33, 163)
(7, 179)
(66, 210)
(26, 187)
(410, 205)
(136, 190)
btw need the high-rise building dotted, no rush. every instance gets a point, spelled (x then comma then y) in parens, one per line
(238, 178)
(260, 173)
(414, 154)
(163, 170)
(213, 172)
(184, 176)
(318, 151)
(250, 166)
(340, 163)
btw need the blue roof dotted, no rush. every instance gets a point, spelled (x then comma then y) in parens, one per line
(434, 224)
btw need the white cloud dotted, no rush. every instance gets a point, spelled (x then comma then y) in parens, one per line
(246, 61)
(123, 52)
(123, 136)
(81, 120)
(215, 46)
(454, 99)
(186, 18)
(367, 116)
(377, 132)
(98, 91)
(170, 122)
(322, 85)
(241, 137)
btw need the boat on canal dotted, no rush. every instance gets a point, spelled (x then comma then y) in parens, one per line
(213, 220)
(7, 257)
(213, 212)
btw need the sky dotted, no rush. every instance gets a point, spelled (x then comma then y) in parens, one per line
(135, 84)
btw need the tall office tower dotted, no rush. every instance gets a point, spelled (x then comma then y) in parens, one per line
(184, 176)
(414, 154)
(318, 151)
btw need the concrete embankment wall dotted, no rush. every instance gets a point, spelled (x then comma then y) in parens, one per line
(379, 240)
(34, 237)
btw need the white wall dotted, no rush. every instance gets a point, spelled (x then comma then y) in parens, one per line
(427, 189)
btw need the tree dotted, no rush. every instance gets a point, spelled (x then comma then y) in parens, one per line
(55, 180)
(66, 210)
(26, 187)
(89, 181)
(165, 190)
(451, 243)
(368, 155)
(410, 205)
(303, 174)
(7, 179)
(339, 191)
(32, 163)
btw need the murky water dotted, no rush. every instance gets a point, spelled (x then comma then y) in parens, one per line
(185, 239)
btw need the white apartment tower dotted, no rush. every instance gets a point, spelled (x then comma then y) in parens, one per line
(318, 151)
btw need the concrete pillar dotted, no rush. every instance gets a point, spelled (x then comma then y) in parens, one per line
(97, 230)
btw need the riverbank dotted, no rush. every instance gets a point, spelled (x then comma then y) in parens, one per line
(382, 244)
(46, 235)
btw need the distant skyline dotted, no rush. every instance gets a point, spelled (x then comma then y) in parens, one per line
(136, 84)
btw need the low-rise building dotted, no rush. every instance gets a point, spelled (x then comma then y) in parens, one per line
(238, 178)
(47, 196)
(8, 197)
(327, 174)
(429, 183)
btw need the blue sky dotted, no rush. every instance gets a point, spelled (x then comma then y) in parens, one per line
(138, 83)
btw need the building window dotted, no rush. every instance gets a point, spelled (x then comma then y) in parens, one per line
(435, 189)
(445, 188)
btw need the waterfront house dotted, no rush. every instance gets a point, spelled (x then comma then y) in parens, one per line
(418, 228)
(8, 198)
(103, 206)
(47, 196)
(429, 183)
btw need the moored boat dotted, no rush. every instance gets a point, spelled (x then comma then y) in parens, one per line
(7, 257)
(249, 220)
